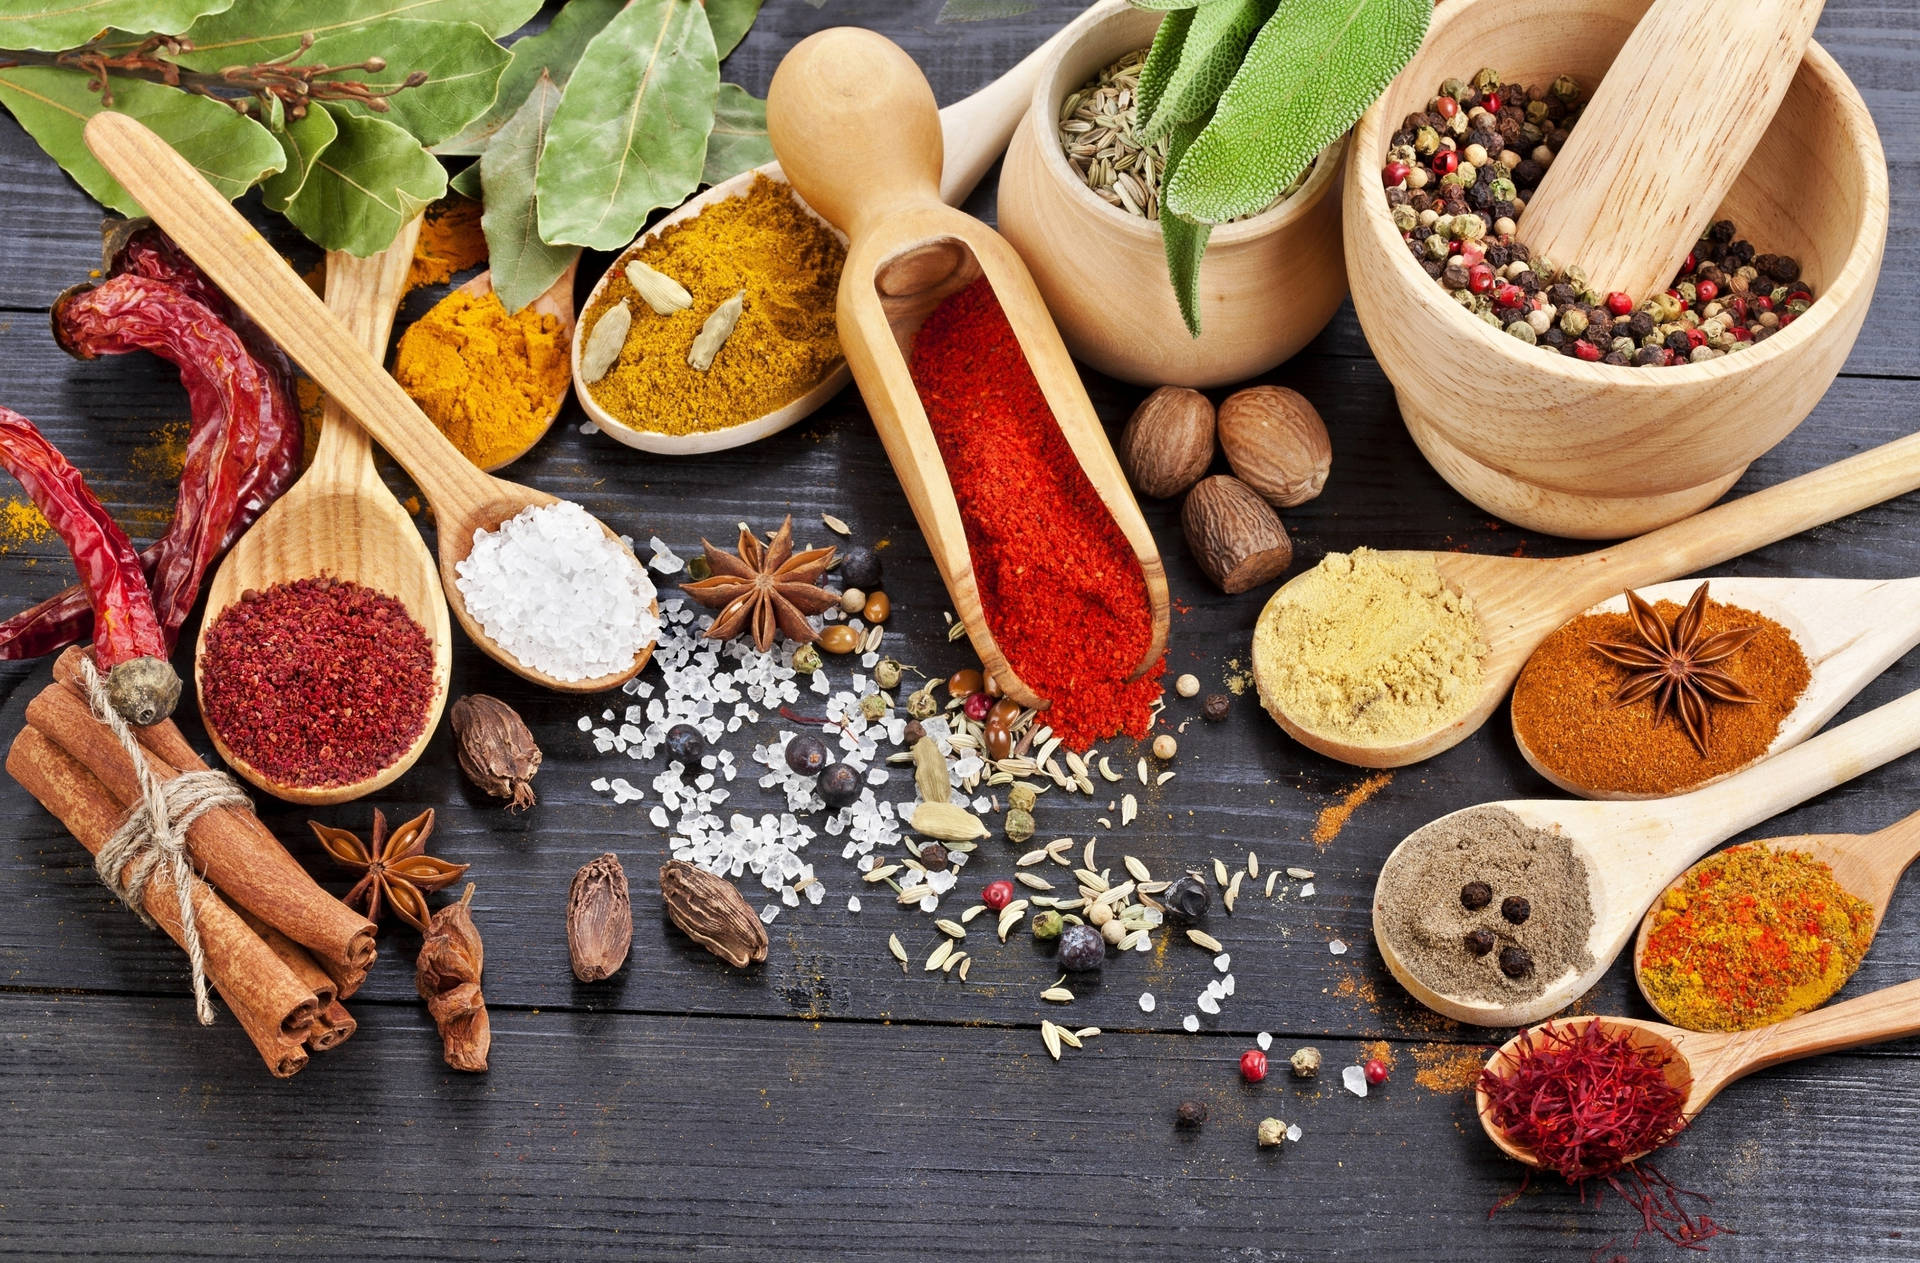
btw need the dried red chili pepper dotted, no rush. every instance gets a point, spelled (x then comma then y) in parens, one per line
(128, 646)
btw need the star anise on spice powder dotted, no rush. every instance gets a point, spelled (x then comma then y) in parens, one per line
(767, 589)
(1674, 666)
(396, 867)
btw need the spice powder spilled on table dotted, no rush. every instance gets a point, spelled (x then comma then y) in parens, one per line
(316, 682)
(1061, 588)
(1563, 706)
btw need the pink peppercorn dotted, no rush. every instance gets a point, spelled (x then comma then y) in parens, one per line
(1509, 295)
(978, 705)
(1395, 174)
(1376, 1071)
(1480, 278)
(1491, 102)
(1687, 268)
(1587, 351)
(1446, 106)
(1695, 338)
(1472, 252)
(1706, 291)
(1253, 1065)
(1620, 304)
(1446, 161)
(997, 894)
(1741, 333)
(1764, 302)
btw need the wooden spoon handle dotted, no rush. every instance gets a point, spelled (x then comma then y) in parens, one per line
(1889, 1013)
(258, 280)
(365, 294)
(975, 130)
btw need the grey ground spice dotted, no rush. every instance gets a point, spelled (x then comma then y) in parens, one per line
(1425, 922)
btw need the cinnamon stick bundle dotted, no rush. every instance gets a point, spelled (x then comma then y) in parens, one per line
(274, 1008)
(334, 1027)
(236, 852)
(295, 957)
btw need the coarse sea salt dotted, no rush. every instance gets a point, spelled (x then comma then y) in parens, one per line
(1338, 947)
(1263, 1039)
(551, 589)
(1354, 1079)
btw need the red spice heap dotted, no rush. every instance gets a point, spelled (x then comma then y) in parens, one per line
(316, 682)
(1062, 590)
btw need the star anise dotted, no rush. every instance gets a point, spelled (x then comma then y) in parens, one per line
(1675, 666)
(767, 589)
(396, 867)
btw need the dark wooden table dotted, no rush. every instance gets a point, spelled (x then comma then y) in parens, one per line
(824, 1105)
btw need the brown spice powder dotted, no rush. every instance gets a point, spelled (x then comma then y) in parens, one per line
(1448, 1067)
(1563, 706)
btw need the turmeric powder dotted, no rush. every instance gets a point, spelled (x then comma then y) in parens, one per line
(490, 381)
(450, 241)
(762, 243)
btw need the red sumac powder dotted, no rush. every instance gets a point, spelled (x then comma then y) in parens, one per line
(1062, 590)
(316, 682)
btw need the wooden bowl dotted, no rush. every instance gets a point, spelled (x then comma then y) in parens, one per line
(1267, 286)
(1598, 451)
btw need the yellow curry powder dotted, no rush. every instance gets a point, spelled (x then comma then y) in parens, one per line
(450, 241)
(486, 378)
(787, 263)
(21, 523)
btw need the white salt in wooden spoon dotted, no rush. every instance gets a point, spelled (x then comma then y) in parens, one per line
(1520, 601)
(1850, 629)
(258, 280)
(1703, 1063)
(1868, 866)
(556, 301)
(1633, 850)
(1664, 137)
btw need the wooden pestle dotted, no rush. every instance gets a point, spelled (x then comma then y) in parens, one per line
(1664, 137)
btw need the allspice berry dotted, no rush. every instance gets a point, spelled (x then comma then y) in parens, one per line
(1276, 443)
(1234, 534)
(1168, 442)
(1190, 1114)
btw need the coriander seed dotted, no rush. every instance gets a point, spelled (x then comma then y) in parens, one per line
(1187, 685)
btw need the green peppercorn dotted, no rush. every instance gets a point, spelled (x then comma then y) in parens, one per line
(921, 705)
(1018, 825)
(1573, 322)
(1453, 88)
(1502, 189)
(1486, 79)
(1566, 89)
(806, 659)
(1522, 330)
(1426, 141)
(698, 569)
(887, 673)
(1048, 924)
(1022, 797)
(1405, 218)
(875, 706)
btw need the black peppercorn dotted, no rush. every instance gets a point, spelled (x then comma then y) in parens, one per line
(1215, 708)
(1187, 899)
(1397, 197)
(1479, 942)
(839, 786)
(1639, 325)
(860, 568)
(933, 857)
(1475, 895)
(1554, 337)
(1529, 174)
(1432, 267)
(1516, 962)
(1501, 209)
(1402, 137)
(1721, 230)
(1521, 254)
(1616, 357)
(1516, 909)
(1190, 1113)
(1649, 357)
(1786, 269)
(1677, 342)
(1499, 254)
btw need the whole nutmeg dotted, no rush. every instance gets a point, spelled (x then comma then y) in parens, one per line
(1235, 536)
(1168, 442)
(1276, 443)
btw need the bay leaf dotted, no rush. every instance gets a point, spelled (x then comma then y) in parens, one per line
(738, 141)
(523, 265)
(462, 64)
(630, 135)
(553, 52)
(364, 186)
(302, 141)
(53, 104)
(731, 20)
(467, 182)
(55, 25)
(259, 29)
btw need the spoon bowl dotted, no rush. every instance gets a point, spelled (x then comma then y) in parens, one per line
(556, 301)
(1851, 630)
(340, 520)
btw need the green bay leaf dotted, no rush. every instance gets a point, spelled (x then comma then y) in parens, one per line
(1313, 69)
(738, 141)
(731, 20)
(630, 135)
(364, 186)
(553, 52)
(1209, 55)
(55, 25)
(467, 182)
(53, 104)
(302, 141)
(258, 29)
(523, 265)
(462, 64)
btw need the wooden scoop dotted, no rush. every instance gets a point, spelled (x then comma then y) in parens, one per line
(1867, 866)
(340, 520)
(1703, 1063)
(1850, 629)
(1664, 137)
(1633, 850)
(853, 122)
(556, 301)
(1520, 601)
(240, 262)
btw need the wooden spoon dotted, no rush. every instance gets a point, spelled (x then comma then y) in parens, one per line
(974, 131)
(556, 301)
(240, 262)
(1867, 866)
(1633, 850)
(1666, 134)
(854, 124)
(1705, 1062)
(1850, 629)
(340, 520)
(1520, 601)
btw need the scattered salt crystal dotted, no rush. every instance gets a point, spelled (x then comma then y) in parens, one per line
(929, 903)
(1146, 1002)
(585, 724)
(853, 903)
(599, 785)
(664, 560)
(1145, 944)
(589, 427)
(1293, 1131)
(1221, 962)
(1338, 947)
(1354, 1079)
(1263, 1039)
(1207, 1004)
(1306, 891)
(772, 910)
(1190, 1023)
(1226, 985)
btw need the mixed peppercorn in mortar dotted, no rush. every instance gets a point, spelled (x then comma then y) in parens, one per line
(1458, 178)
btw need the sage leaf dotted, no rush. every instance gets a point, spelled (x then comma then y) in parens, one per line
(1211, 52)
(301, 141)
(630, 135)
(53, 104)
(259, 29)
(731, 20)
(1173, 6)
(553, 52)
(365, 186)
(1185, 239)
(461, 62)
(738, 141)
(982, 10)
(523, 265)
(1163, 55)
(1312, 70)
(56, 25)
